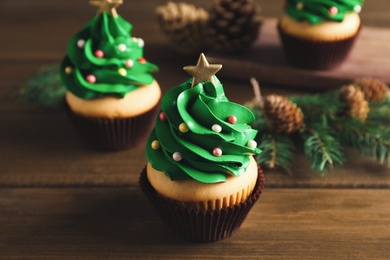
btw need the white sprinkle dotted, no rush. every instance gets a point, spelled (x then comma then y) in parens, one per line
(122, 47)
(176, 156)
(81, 43)
(252, 144)
(357, 8)
(216, 128)
(141, 42)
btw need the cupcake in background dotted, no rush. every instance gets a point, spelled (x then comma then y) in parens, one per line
(111, 96)
(319, 34)
(201, 176)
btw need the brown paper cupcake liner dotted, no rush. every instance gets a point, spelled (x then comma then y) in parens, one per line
(199, 225)
(113, 134)
(320, 55)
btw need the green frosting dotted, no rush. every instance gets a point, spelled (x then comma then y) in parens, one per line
(104, 59)
(200, 108)
(316, 11)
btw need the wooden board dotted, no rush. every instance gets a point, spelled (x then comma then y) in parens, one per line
(121, 224)
(369, 57)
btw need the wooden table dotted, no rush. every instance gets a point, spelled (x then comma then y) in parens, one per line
(59, 200)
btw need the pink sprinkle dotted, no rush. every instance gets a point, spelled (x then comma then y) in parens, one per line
(129, 63)
(333, 10)
(217, 151)
(142, 60)
(99, 53)
(232, 119)
(91, 78)
(162, 116)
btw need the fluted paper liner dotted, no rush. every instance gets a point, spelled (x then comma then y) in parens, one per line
(311, 54)
(199, 225)
(113, 134)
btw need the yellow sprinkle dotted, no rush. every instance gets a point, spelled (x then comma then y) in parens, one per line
(183, 128)
(122, 71)
(68, 70)
(155, 145)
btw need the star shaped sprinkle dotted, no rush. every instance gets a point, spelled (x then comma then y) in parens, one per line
(107, 6)
(203, 71)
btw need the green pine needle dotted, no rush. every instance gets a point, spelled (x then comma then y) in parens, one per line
(43, 88)
(277, 150)
(370, 138)
(322, 149)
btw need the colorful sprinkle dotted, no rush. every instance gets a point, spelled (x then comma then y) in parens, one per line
(217, 152)
(333, 10)
(252, 144)
(142, 60)
(300, 6)
(99, 53)
(155, 145)
(68, 70)
(176, 156)
(122, 47)
(357, 8)
(162, 116)
(129, 63)
(232, 119)
(81, 43)
(122, 71)
(91, 78)
(216, 128)
(183, 128)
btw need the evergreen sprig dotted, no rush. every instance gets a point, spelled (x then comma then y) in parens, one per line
(322, 148)
(325, 133)
(370, 138)
(43, 87)
(277, 150)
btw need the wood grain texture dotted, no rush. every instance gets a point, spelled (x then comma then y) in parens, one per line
(112, 224)
(266, 62)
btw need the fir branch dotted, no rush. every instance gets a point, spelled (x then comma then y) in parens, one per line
(322, 149)
(370, 138)
(44, 87)
(277, 150)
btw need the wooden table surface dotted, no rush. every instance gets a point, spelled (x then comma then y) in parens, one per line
(59, 200)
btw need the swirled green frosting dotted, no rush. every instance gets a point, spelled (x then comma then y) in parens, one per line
(316, 11)
(200, 108)
(104, 59)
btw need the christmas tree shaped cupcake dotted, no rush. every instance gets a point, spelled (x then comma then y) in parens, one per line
(111, 95)
(319, 34)
(201, 175)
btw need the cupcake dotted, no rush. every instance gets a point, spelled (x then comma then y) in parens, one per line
(201, 175)
(111, 96)
(319, 34)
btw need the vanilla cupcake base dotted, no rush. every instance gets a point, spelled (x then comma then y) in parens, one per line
(199, 225)
(205, 196)
(323, 46)
(110, 123)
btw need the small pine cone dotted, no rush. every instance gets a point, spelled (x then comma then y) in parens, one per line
(233, 25)
(184, 26)
(283, 116)
(373, 89)
(356, 105)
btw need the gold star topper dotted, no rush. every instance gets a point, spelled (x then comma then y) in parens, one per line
(203, 71)
(107, 6)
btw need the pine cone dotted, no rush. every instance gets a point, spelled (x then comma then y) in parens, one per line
(184, 25)
(356, 105)
(373, 89)
(283, 116)
(233, 25)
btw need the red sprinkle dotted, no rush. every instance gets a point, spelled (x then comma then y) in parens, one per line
(232, 119)
(142, 60)
(99, 53)
(91, 78)
(333, 10)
